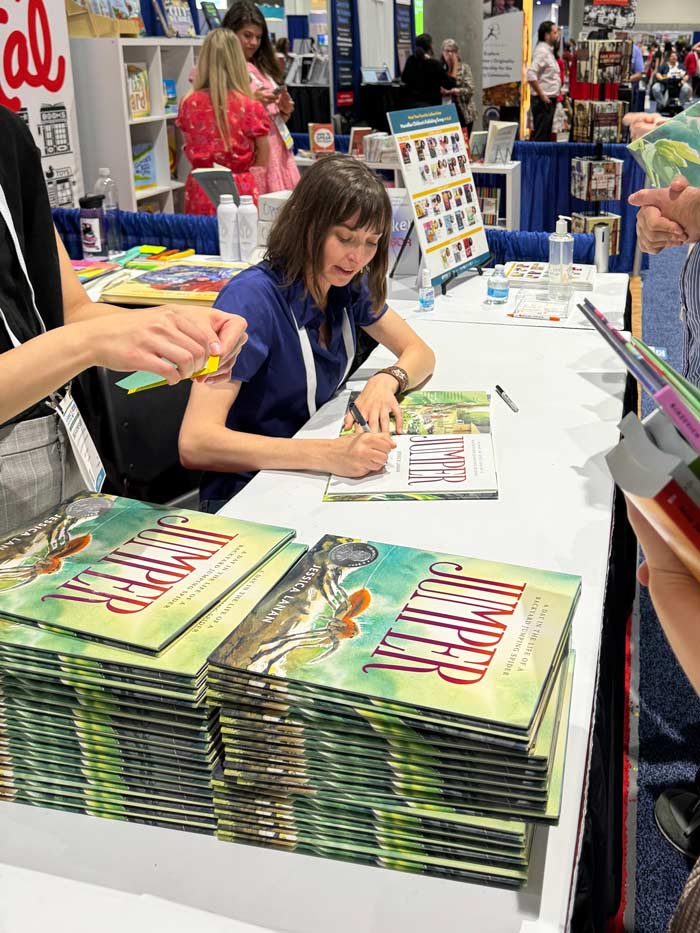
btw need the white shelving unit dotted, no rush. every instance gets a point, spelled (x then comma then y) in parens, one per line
(106, 130)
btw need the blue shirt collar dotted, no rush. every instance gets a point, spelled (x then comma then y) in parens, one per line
(305, 310)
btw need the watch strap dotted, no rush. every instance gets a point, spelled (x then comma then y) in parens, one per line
(399, 374)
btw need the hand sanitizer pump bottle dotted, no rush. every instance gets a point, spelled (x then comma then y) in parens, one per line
(561, 260)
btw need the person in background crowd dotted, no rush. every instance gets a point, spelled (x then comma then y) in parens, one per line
(307, 305)
(424, 78)
(670, 69)
(246, 20)
(545, 82)
(636, 75)
(691, 63)
(282, 52)
(220, 121)
(39, 294)
(462, 94)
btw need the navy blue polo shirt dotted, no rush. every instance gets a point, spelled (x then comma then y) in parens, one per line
(277, 396)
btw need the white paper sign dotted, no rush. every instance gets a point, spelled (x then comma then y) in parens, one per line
(503, 44)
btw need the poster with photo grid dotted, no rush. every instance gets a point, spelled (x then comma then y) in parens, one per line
(437, 174)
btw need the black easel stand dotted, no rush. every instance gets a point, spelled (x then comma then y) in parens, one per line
(403, 247)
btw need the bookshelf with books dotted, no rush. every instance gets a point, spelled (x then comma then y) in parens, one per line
(113, 131)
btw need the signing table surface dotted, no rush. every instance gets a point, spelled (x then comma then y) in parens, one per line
(553, 511)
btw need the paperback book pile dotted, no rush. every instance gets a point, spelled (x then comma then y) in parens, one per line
(657, 461)
(107, 617)
(397, 707)
(445, 451)
(378, 147)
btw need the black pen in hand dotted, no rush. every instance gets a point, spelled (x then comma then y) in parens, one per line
(359, 417)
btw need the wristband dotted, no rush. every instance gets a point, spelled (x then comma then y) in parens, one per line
(399, 374)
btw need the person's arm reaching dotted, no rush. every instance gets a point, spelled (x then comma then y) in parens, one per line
(378, 401)
(674, 592)
(207, 443)
(210, 328)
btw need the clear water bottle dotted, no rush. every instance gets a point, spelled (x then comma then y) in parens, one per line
(497, 288)
(426, 295)
(227, 221)
(247, 226)
(107, 187)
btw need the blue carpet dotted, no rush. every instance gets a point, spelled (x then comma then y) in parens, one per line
(669, 709)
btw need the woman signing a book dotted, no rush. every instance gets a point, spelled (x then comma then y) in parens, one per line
(248, 23)
(39, 293)
(323, 280)
(221, 123)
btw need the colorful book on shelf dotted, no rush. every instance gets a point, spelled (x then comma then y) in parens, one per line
(671, 149)
(321, 138)
(88, 567)
(477, 145)
(169, 95)
(178, 16)
(490, 204)
(143, 156)
(195, 281)
(128, 12)
(138, 94)
(357, 137)
(445, 451)
(536, 275)
(674, 395)
(211, 14)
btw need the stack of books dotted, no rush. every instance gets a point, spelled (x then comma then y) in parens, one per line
(105, 628)
(596, 179)
(187, 281)
(586, 222)
(657, 461)
(379, 147)
(398, 707)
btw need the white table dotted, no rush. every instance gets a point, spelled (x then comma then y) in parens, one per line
(464, 303)
(554, 511)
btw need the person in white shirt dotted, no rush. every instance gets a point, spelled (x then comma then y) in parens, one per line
(545, 81)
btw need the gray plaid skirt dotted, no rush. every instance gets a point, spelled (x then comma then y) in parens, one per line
(37, 470)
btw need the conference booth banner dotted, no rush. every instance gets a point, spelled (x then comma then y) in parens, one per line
(36, 83)
(346, 43)
(441, 189)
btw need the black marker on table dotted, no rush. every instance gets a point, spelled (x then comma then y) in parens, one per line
(359, 417)
(507, 399)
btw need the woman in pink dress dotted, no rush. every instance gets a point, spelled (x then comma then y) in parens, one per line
(222, 123)
(246, 20)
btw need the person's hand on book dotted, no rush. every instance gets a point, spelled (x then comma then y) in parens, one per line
(668, 216)
(378, 403)
(642, 123)
(355, 455)
(674, 592)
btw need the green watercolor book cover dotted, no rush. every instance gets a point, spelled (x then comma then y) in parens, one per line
(472, 638)
(671, 149)
(127, 573)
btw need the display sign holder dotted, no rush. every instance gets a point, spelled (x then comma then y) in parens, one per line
(474, 270)
(446, 214)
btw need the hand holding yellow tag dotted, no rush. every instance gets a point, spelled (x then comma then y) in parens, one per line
(140, 381)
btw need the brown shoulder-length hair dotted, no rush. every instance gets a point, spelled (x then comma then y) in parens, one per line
(336, 190)
(245, 13)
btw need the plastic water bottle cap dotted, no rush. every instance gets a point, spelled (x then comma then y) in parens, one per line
(499, 268)
(246, 199)
(225, 199)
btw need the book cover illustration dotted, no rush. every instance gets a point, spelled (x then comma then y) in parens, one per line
(363, 618)
(138, 92)
(128, 11)
(90, 566)
(198, 281)
(143, 159)
(671, 149)
(178, 16)
(211, 13)
(170, 101)
(445, 451)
